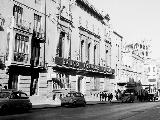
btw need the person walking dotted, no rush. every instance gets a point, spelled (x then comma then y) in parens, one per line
(110, 97)
(0, 87)
(105, 96)
(100, 95)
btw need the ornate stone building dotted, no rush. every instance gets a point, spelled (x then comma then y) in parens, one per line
(133, 63)
(64, 45)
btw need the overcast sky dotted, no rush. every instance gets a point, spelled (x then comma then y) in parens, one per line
(134, 19)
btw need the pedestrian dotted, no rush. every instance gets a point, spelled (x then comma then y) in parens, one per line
(105, 96)
(0, 87)
(54, 96)
(108, 96)
(111, 97)
(100, 96)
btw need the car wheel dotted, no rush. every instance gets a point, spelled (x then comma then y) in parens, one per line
(74, 103)
(62, 105)
(27, 108)
(5, 109)
(84, 104)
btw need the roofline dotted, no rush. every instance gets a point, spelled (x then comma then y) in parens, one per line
(86, 5)
(117, 34)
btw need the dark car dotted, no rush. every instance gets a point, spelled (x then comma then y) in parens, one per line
(11, 100)
(73, 99)
(128, 97)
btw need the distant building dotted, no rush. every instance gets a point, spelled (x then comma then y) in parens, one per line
(117, 45)
(133, 61)
(151, 83)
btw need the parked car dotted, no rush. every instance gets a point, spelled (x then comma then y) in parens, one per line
(11, 100)
(73, 99)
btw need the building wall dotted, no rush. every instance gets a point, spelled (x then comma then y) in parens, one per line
(62, 18)
(116, 56)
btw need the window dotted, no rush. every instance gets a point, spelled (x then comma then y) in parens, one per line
(95, 47)
(82, 51)
(21, 47)
(17, 13)
(143, 47)
(140, 45)
(37, 23)
(60, 48)
(89, 46)
(153, 69)
(21, 43)
(80, 21)
(107, 54)
(148, 69)
(62, 81)
(23, 95)
(38, 1)
(86, 24)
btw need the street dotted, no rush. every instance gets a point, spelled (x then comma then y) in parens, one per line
(109, 111)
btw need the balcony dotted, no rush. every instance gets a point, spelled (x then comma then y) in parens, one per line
(20, 57)
(22, 25)
(39, 36)
(77, 67)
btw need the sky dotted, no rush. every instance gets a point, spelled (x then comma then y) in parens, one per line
(134, 20)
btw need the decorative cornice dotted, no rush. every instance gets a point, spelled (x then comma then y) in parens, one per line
(89, 32)
(90, 8)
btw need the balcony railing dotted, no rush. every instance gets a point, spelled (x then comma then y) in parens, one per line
(20, 57)
(83, 66)
(22, 25)
(39, 36)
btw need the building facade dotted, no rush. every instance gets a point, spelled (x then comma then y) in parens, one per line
(64, 45)
(133, 63)
(117, 44)
(152, 72)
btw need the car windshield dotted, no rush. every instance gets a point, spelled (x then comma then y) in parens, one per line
(24, 95)
(4, 94)
(74, 95)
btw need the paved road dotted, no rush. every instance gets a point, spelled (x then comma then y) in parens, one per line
(114, 111)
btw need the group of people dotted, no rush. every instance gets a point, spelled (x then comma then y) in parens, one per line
(103, 96)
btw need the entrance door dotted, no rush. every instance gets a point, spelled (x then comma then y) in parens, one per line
(13, 81)
(80, 83)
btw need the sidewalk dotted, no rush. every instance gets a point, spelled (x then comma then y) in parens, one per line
(43, 102)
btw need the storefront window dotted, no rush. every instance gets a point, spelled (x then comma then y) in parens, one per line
(62, 81)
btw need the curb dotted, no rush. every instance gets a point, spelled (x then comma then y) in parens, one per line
(45, 106)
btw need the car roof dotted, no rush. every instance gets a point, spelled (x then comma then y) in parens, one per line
(73, 92)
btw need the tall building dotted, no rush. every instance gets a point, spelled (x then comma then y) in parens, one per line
(133, 63)
(64, 45)
(117, 45)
